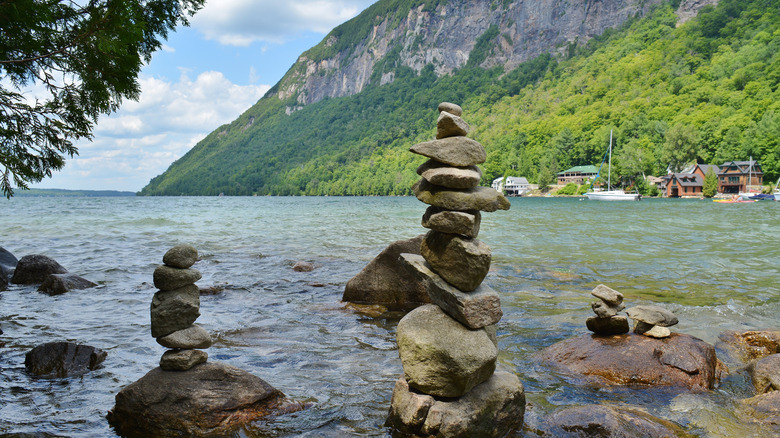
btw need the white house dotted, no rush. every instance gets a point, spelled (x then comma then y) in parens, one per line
(513, 185)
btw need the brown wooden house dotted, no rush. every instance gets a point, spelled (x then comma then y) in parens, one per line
(740, 177)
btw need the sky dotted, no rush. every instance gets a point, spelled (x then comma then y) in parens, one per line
(204, 76)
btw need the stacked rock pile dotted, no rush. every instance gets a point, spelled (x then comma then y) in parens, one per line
(607, 321)
(175, 307)
(448, 349)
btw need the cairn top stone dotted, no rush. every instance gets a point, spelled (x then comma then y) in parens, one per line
(476, 198)
(455, 151)
(450, 125)
(607, 294)
(451, 108)
(181, 256)
(653, 315)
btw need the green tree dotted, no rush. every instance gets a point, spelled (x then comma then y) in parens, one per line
(86, 56)
(710, 184)
(680, 146)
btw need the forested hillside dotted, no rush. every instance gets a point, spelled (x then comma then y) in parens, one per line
(706, 90)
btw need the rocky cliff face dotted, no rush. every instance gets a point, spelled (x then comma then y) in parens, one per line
(445, 35)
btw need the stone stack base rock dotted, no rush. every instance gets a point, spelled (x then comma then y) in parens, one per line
(448, 349)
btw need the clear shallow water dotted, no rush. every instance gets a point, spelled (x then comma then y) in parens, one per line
(716, 266)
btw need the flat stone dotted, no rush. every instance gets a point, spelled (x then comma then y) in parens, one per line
(174, 310)
(193, 336)
(388, 282)
(442, 357)
(475, 310)
(448, 176)
(765, 373)
(461, 261)
(211, 399)
(62, 359)
(657, 332)
(616, 325)
(492, 409)
(182, 360)
(465, 223)
(608, 295)
(451, 108)
(168, 278)
(607, 421)
(181, 256)
(635, 360)
(455, 151)
(56, 284)
(35, 268)
(476, 198)
(653, 315)
(450, 125)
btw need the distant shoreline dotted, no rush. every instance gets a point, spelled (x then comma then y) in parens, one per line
(62, 192)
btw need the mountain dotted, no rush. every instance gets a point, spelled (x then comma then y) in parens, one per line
(542, 82)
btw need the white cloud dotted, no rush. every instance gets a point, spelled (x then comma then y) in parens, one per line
(241, 22)
(143, 138)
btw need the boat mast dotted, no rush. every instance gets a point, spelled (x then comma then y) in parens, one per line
(609, 172)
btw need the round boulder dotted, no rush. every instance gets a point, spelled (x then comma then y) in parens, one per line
(33, 269)
(211, 399)
(181, 256)
(679, 360)
(56, 284)
(440, 356)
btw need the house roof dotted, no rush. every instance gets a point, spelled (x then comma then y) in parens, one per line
(705, 168)
(689, 179)
(743, 166)
(516, 180)
(581, 169)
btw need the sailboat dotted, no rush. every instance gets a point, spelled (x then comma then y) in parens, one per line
(747, 194)
(609, 194)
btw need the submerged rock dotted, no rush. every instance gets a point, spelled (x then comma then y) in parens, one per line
(679, 360)
(303, 267)
(62, 359)
(607, 422)
(749, 345)
(211, 399)
(33, 269)
(764, 411)
(388, 282)
(765, 373)
(8, 263)
(56, 284)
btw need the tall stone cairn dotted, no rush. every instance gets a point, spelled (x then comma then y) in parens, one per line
(175, 307)
(448, 349)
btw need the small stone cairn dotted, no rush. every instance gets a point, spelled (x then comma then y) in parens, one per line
(175, 307)
(448, 349)
(649, 320)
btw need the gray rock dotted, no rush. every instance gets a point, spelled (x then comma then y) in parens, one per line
(451, 108)
(652, 315)
(608, 295)
(461, 261)
(616, 325)
(62, 359)
(762, 410)
(465, 223)
(7, 265)
(211, 399)
(608, 422)
(448, 176)
(408, 408)
(475, 310)
(33, 269)
(174, 310)
(56, 284)
(476, 198)
(387, 281)
(182, 360)
(303, 267)
(168, 278)
(455, 151)
(3, 281)
(765, 373)
(450, 125)
(494, 408)
(193, 336)
(181, 256)
(442, 357)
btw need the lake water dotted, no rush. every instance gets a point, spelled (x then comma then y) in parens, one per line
(717, 266)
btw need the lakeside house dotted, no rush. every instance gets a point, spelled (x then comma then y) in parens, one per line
(733, 177)
(511, 185)
(577, 175)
